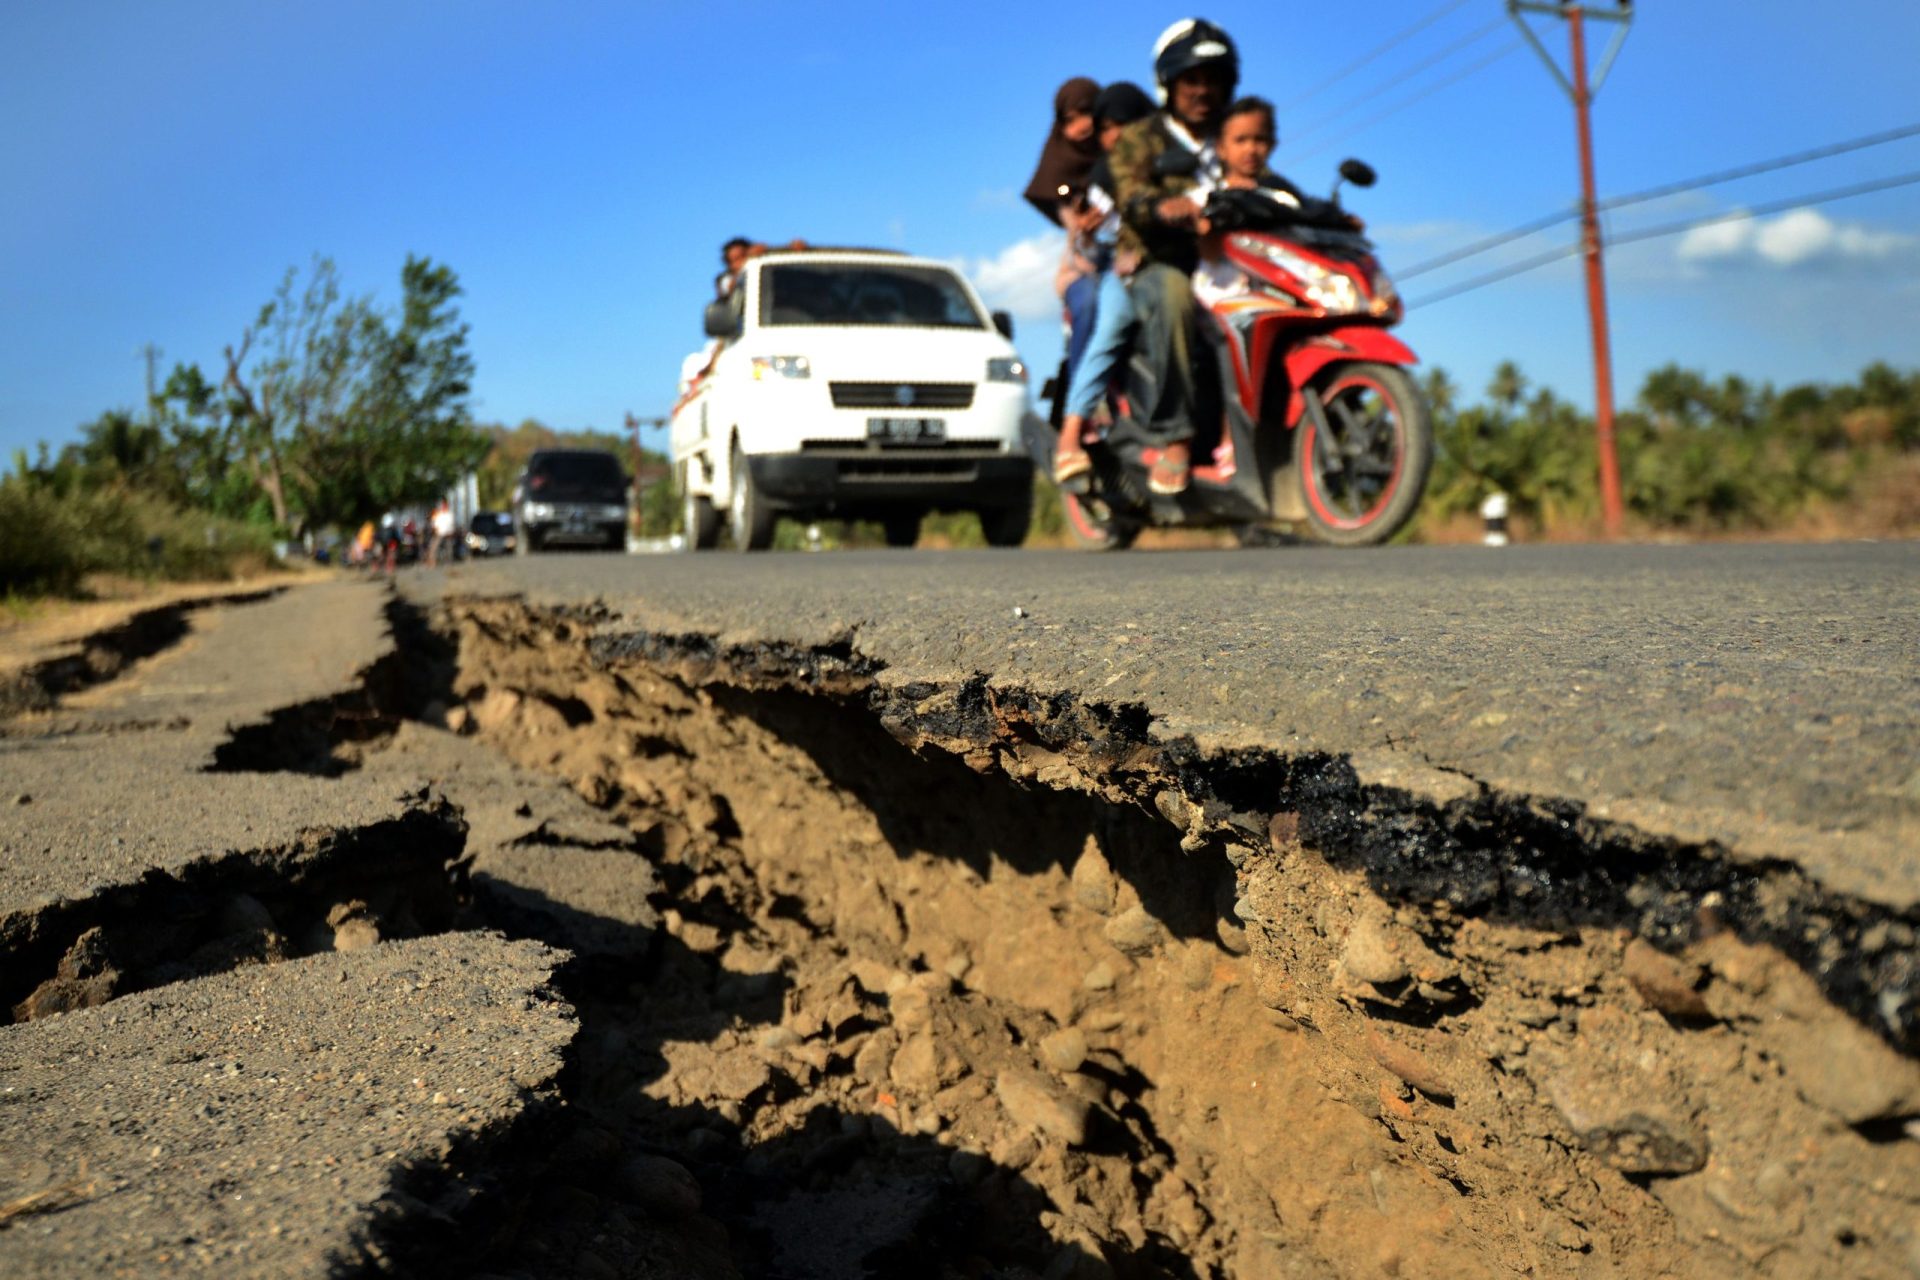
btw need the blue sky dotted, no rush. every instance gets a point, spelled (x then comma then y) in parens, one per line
(579, 164)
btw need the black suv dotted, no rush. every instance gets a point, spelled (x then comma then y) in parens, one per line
(572, 496)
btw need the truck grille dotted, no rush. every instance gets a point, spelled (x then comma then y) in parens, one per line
(901, 395)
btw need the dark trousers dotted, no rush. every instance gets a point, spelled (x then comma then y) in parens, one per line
(1164, 352)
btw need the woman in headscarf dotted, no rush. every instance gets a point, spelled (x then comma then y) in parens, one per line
(1070, 152)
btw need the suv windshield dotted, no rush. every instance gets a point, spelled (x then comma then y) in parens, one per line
(576, 470)
(841, 293)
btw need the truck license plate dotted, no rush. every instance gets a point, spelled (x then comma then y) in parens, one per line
(906, 428)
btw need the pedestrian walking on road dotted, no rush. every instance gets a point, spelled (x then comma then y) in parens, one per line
(442, 525)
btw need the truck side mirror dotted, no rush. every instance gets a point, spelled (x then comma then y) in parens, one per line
(723, 318)
(1003, 321)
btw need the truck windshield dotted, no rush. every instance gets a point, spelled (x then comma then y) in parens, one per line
(840, 293)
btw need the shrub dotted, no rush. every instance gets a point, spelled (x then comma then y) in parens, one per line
(50, 541)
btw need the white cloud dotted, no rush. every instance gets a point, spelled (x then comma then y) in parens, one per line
(1716, 240)
(1790, 240)
(1856, 241)
(1793, 238)
(1020, 277)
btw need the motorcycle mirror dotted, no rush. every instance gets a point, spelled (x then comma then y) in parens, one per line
(1358, 172)
(1176, 162)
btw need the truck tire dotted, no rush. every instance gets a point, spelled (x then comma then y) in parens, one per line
(701, 521)
(749, 518)
(902, 530)
(1007, 526)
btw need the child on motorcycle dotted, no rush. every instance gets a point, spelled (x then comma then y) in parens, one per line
(1244, 147)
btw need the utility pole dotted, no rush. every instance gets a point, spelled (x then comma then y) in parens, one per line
(1582, 93)
(635, 425)
(152, 353)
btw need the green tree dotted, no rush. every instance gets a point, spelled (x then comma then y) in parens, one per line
(347, 414)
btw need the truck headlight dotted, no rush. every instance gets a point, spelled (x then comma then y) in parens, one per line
(1006, 369)
(781, 367)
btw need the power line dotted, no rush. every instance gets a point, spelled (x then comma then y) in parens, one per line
(1366, 58)
(1410, 100)
(1773, 206)
(1671, 228)
(1409, 73)
(1539, 224)
(1763, 166)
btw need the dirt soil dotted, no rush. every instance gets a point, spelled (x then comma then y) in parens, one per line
(923, 1006)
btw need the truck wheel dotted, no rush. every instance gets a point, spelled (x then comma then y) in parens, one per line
(749, 519)
(902, 531)
(701, 522)
(1007, 526)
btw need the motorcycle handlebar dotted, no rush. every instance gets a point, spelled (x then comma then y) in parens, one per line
(1232, 210)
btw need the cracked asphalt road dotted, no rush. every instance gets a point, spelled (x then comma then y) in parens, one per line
(1764, 697)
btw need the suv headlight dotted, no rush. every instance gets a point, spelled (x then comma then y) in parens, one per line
(539, 510)
(781, 367)
(1330, 290)
(613, 511)
(1006, 369)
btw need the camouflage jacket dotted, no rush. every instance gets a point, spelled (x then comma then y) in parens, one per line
(1137, 189)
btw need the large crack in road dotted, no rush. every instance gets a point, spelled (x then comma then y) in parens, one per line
(957, 982)
(955, 979)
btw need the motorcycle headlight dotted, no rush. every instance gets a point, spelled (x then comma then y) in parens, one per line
(1332, 291)
(1006, 369)
(765, 367)
(1385, 296)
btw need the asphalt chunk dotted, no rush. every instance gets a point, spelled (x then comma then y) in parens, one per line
(254, 1122)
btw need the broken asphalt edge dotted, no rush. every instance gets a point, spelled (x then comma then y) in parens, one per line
(1419, 834)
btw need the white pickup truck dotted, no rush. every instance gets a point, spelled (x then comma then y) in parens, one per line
(853, 384)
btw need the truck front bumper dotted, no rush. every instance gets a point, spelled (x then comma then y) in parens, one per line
(854, 478)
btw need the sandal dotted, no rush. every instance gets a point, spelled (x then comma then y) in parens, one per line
(1169, 469)
(1070, 460)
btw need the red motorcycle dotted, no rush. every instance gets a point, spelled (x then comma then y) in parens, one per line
(1316, 424)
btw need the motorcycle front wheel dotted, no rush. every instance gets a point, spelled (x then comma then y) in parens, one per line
(1363, 475)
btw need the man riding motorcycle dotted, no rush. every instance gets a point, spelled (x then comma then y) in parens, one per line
(1196, 69)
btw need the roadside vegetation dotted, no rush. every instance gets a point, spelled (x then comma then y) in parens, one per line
(328, 411)
(324, 412)
(1697, 457)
